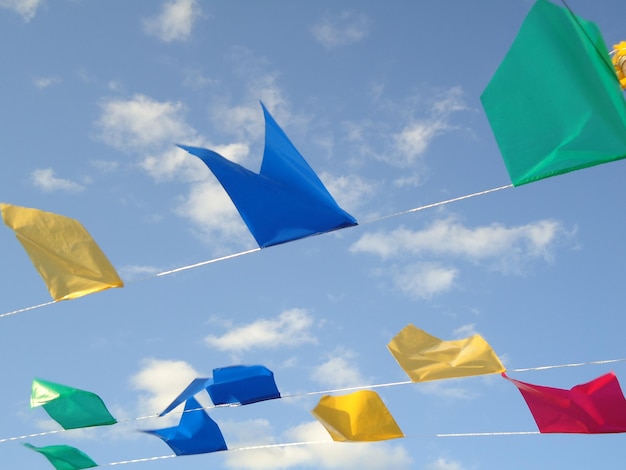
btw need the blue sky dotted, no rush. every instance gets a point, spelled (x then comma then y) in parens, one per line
(383, 100)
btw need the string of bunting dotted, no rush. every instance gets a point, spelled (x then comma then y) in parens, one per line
(359, 416)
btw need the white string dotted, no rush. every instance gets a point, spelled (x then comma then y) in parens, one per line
(437, 204)
(203, 263)
(242, 253)
(577, 364)
(306, 443)
(27, 309)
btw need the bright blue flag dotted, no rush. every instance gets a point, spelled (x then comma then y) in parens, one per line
(196, 432)
(232, 385)
(286, 200)
(242, 384)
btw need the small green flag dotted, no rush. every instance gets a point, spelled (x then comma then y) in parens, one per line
(70, 407)
(64, 457)
(555, 104)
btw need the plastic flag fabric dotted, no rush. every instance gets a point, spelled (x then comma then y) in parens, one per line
(590, 408)
(555, 104)
(232, 385)
(67, 258)
(70, 407)
(64, 457)
(424, 357)
(359, 416)
(196, 432)
(286, 200)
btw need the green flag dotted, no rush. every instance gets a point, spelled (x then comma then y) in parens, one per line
(64, 457)
(555, 104)
(70, 407)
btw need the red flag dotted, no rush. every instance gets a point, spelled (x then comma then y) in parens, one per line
(590, 408)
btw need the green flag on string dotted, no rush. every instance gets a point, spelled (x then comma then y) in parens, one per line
(64, 457)
(70, 407)
(555, 104)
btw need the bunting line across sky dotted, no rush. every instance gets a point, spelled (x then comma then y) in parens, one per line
(133, 149)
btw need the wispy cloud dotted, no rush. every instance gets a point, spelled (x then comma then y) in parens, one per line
(46, 180)
(350, 191)
(174, 22)
(346, 28)
(339, 371)
(46, 82)
(26, 8)
(414, 139)
(452, 388)
(290, 328)
(444, 464)
(150, 128)
(498, 247)
(371, 456)
(423, 280)
(449, 237)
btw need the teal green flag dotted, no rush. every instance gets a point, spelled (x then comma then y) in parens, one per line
(64, 457)
(555, 104)
(70, 407)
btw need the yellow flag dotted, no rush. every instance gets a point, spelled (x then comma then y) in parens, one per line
(359, 416)
(67, 258)
(424, 357)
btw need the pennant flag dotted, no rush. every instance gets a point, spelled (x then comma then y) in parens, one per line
(64, 457)
(232, 385)
(70, 407)
(359, 416)
(424, 357)
(591, 408)
(286, 200)
(196, 432)
(67, 258)
(555, 104)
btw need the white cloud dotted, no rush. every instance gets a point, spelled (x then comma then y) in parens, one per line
(338, 371)
(504, 249)
(444, 464)
(320, 453)
(159, 383)
(26, 8)
(451, 388)
(413, 140)
(46, 82)
(349, 191)
(449, 237)
(142, 123)
(210, 209)
(424, 280)
(46, 180)
(465, 331)
(174, 162)
(150, 128)
(175, 21)
(346, 28)
(105, 166)
(290, 328)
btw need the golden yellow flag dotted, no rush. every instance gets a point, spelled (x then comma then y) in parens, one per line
(359, 416)
(424, 357)
(67, 258)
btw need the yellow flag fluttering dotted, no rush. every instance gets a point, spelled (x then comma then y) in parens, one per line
(66, 256)
(359, 416)
(425, 357)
